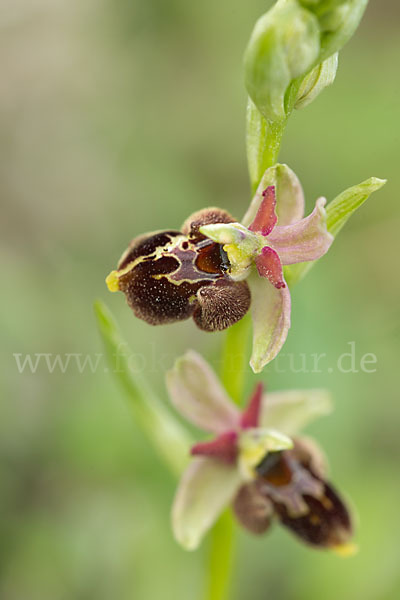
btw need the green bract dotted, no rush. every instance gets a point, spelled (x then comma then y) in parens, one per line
(288, 42)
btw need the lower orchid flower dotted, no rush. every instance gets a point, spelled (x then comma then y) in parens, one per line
(253, 463)
(273, 234)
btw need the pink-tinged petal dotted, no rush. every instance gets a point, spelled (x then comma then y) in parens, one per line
(306, 240)
(269, 265)
(250, 417)
(223, 448)
(265, 219)
(270, 309)
(290, 411)
(206, 488)
(289, 196)
(197, 394)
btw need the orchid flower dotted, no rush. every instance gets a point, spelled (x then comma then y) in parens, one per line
(170, 276)
(253, 462)
(273, 234)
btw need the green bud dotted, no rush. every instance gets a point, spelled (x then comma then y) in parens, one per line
(319, 78)
(338, 20)
(292, 41)
(284, 45)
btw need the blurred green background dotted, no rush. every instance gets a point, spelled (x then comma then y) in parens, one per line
(123, 117)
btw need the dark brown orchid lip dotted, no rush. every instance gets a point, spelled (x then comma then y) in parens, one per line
(289, 490)
(170, 276)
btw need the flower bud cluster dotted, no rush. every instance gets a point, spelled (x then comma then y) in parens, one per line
(289, 58)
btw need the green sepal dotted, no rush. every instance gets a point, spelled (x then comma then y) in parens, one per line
(337, 214)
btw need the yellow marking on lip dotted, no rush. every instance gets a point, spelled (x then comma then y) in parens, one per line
(315, 519)
(345, 550)
(112, 280)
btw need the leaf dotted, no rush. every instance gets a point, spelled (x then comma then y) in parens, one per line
(167, 435)
(337, 214)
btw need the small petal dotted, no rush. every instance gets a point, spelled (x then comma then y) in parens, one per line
(197, 394)
(305, 240)
(290, 411)
(251, 416)
(206, 488)
(265, 219)
(289, 195)
(269, 265)
(223, 448)
(270, 309)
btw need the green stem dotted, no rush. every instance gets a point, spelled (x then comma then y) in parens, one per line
(263, 146)
(221, 558)
(234, 358)
(263, 141)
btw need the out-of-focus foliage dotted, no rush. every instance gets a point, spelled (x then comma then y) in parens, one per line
(118, 118)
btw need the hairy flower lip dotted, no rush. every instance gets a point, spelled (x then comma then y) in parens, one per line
(169, 276)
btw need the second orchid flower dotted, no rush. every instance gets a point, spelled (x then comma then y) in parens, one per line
(252, 463)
